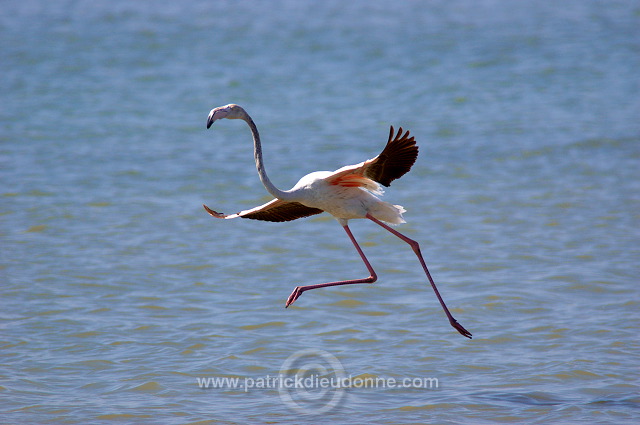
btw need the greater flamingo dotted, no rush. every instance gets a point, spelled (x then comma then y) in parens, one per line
(347, 193)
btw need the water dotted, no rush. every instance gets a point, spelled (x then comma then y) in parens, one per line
(119, 292)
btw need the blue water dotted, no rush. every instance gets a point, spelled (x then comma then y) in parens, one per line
(119, 292)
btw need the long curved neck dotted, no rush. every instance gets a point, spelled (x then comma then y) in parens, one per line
(257, 154)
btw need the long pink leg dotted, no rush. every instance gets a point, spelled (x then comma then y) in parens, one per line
(416, 248)
(372, 275)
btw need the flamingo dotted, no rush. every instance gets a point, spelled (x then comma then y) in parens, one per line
(347, 193)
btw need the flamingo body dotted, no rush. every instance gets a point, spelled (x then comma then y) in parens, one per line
(347, 193)
(351, 192)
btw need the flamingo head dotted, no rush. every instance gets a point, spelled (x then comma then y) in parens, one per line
(230, 111)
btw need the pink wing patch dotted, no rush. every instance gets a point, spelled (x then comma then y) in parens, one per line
(351, 176)
(350, 180)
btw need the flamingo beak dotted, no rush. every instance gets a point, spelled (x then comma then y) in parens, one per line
(216, 114)
(210, 118)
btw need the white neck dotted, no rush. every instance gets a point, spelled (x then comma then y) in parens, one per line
(257, 154)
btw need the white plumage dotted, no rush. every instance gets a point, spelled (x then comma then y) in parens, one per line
(350, 192)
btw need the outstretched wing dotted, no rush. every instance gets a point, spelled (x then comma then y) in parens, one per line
(395, 160)
(275, 210)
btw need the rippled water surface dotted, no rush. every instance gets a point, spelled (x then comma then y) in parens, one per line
(122, 299)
